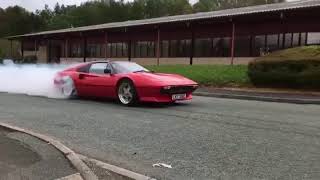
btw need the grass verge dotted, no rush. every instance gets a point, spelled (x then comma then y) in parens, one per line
(209, 75)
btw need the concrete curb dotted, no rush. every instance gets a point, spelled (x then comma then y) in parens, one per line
(84, 170)
(258, 98)
(116, 170)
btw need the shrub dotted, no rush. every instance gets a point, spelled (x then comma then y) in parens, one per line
(295, 68)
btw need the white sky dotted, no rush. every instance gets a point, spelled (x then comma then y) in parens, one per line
(32, 5)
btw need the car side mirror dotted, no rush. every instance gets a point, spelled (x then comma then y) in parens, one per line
(107, 71)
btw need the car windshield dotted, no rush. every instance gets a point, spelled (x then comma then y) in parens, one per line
(127, 67)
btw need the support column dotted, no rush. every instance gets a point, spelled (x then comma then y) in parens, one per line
(158, 47)
(299, 43)
(265, 42)
(106, 44)
(66, 48)
(169, 48)
(35, 47)
(192, 47)
(283, 40)
(11, 49)
(129, 50)
(232, 42)
(84, 49)
(251, 45)
(212, 48)
(291, 45)
(306, 39)
(22, 49)
(278, 41)
(49, 51)
(122, 48)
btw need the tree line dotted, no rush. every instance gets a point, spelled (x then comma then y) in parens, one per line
(17, 20)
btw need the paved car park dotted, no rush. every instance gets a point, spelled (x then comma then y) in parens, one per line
(207, 138)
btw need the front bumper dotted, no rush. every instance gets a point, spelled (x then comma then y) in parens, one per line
(159, 94)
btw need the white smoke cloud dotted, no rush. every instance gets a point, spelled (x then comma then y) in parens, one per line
(35, 80)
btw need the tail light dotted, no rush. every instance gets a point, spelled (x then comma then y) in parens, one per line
(57, 79)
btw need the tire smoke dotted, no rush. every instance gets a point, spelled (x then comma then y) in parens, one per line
(34, 79)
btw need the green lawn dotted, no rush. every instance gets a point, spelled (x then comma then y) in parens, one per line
(216, 75)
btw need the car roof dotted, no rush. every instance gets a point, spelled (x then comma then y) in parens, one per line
(78, 65)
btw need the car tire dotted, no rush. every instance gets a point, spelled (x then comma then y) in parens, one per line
(127, 94)
(68, 88)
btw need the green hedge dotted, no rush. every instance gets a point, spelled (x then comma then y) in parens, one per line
(281, 69)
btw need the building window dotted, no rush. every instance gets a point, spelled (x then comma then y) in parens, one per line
(303, 39)
(313, 38)
(220, 47)
(143, 49)
(273, 43)
(94, 50)
(259, 45)
(242, 46)
(288, 42)
(76, 50)
(295, 40)
(184, 48)
(203, 47)
(175, 48)
(119, 49)
(124, 49)
(164, 48)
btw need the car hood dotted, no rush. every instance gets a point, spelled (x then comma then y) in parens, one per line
(168, 79)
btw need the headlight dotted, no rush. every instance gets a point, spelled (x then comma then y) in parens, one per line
(166, 87)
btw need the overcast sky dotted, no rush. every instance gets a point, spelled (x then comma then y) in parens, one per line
(32, 5)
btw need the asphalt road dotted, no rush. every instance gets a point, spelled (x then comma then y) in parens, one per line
(206, 138)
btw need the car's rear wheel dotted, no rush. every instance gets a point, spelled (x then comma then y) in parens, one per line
(127, 93)
(68, 88)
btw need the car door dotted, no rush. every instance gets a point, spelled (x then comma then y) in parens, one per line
(97, 82)
(80, 80)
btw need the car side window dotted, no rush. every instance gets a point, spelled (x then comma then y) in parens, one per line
(84, 69)
(98, 68)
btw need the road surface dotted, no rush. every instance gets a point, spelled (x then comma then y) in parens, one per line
(207, 138)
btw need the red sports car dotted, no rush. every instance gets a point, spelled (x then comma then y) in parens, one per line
(126, 81)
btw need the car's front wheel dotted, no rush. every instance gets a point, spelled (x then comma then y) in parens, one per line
(127, 94)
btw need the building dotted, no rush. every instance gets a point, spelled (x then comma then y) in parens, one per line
(232, 36)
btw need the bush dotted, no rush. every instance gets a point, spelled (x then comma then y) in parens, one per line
(294, 68)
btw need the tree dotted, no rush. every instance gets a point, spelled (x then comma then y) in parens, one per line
(206, 5)
(176, 7)
(211, 5)
(17, 20)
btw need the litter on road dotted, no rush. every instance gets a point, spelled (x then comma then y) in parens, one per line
(162, 165)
